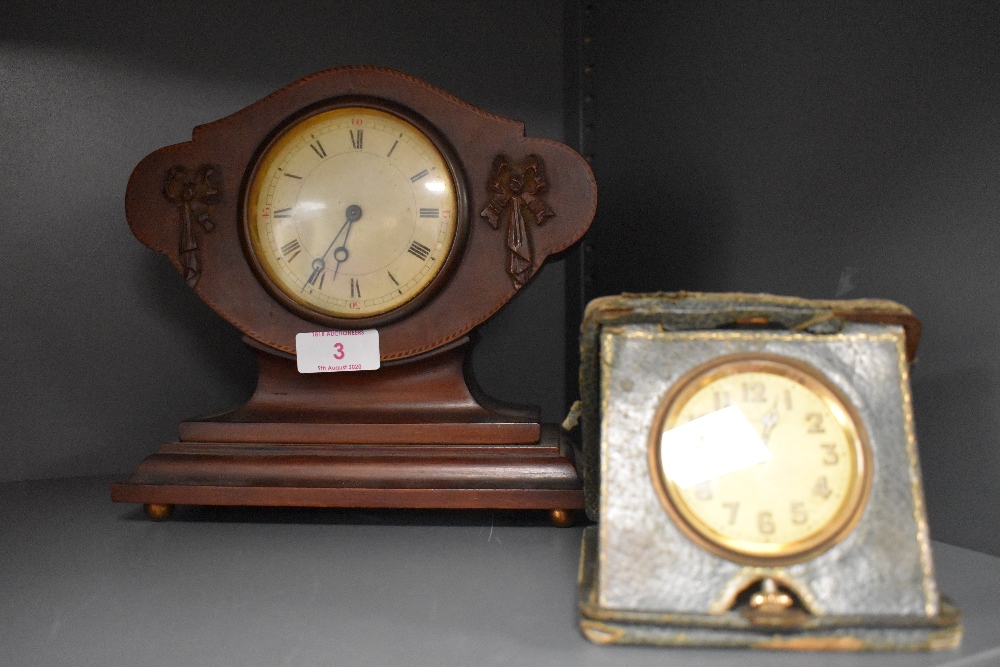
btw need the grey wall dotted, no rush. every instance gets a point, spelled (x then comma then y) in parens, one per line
(106, 349)
(820, 149)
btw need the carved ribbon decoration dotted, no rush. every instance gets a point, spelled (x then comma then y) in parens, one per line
(195, 195)
(517, 198)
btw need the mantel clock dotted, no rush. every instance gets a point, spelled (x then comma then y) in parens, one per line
(360, 201)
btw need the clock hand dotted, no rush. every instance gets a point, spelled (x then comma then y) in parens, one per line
(318, 266)
(769, 421)
(352, 214)
(340, 254)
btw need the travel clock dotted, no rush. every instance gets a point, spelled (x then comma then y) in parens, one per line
(752, 462)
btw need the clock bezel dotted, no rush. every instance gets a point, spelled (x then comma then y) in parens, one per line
(848, 418)
(462, 225)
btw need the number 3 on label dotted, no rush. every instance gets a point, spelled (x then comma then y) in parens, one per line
(339, 354)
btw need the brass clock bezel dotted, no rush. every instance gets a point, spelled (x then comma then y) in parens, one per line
(302, 308)
(755, 553)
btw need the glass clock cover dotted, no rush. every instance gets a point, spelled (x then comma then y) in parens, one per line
(351, 212)
(759, 459)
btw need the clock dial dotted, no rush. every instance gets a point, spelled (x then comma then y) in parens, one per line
(352, 212)
(805, 489)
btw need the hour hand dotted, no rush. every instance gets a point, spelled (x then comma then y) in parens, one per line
(318, 267)
(769, 421)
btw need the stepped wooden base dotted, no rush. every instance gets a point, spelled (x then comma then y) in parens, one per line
(535, 476)
(417, 434)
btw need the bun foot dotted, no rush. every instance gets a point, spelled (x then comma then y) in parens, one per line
(157, 511)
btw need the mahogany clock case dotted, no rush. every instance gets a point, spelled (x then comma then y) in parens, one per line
(522, 200)
(218, 160)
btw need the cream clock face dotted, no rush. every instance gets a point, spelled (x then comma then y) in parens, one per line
(783, 482)
(353, 213)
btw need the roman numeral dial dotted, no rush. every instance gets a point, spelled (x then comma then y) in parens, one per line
(419, 250)
(352, 213)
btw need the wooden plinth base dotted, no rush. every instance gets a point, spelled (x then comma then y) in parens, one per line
(534, 476)
(420, 434)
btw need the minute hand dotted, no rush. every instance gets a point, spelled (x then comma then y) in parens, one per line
(352, 214)
(769, 421)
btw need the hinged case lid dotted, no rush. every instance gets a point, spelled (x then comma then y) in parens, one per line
(692, 311)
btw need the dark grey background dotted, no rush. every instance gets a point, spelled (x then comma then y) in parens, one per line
(813, 148)
(819, 149)
(109, 349)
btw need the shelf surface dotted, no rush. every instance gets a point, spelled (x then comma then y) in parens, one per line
(84, 581)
